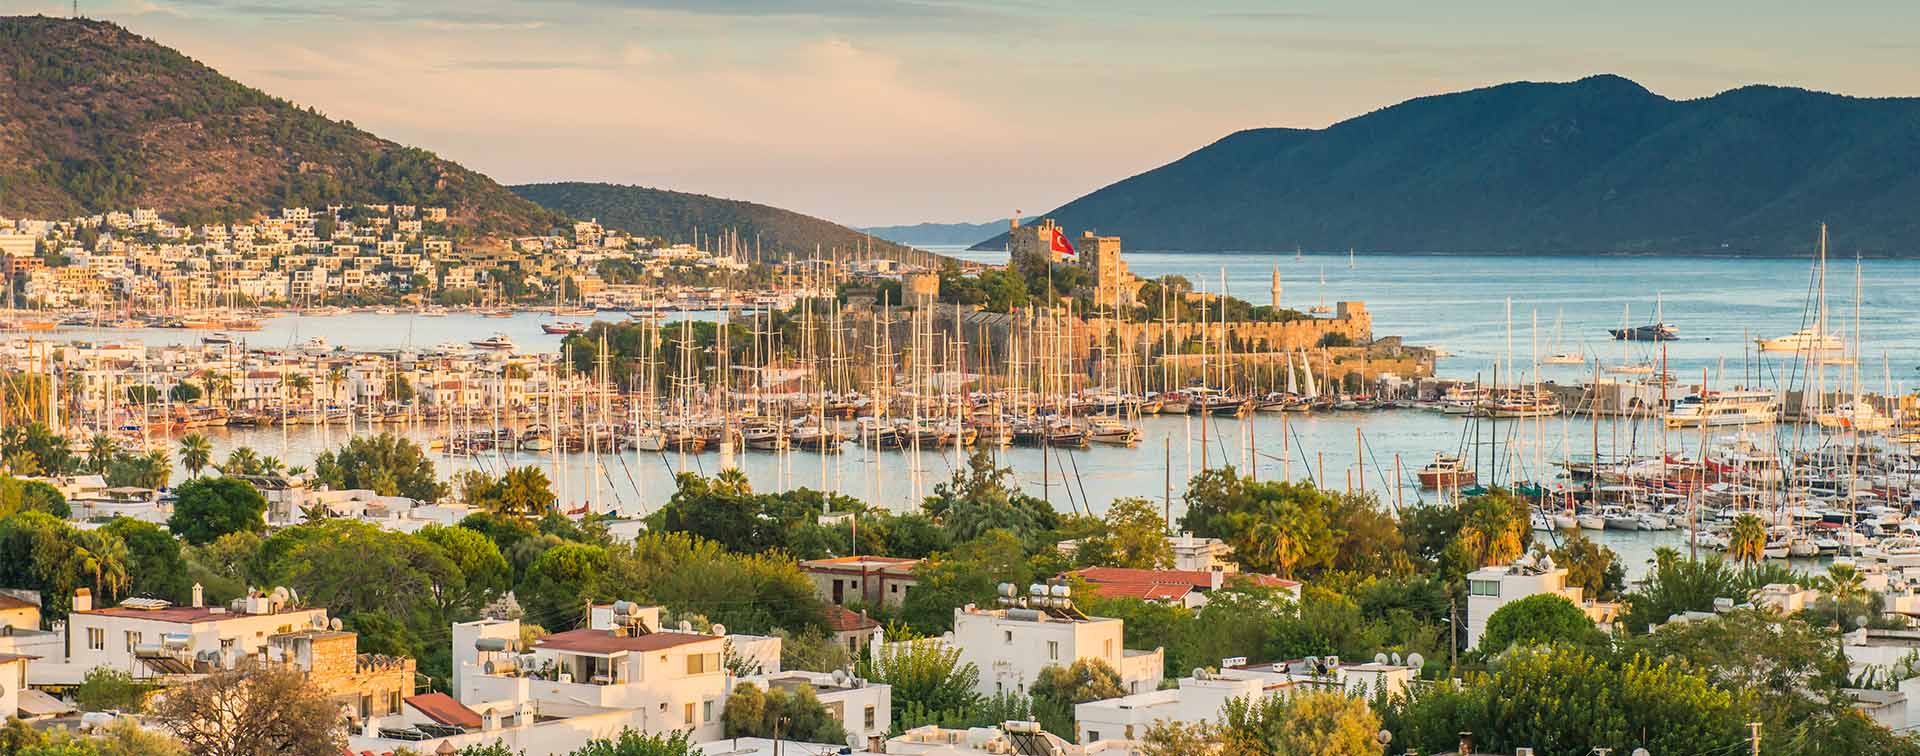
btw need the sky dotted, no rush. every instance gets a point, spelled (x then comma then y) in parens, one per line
(874, 112)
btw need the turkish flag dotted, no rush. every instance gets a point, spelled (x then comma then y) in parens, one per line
(1060, 243)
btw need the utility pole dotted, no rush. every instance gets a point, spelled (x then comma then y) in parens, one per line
(1755, 740)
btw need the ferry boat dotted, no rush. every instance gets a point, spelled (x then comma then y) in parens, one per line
(564, 328)
(1521, 405)
(1446, 471)
(1804, 340)
(1717, 408)
(498, 342)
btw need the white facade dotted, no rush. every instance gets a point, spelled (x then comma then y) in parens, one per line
(119, 637)
(1011, 646)
(13, 679)
(1490, 588)
(1200, 698)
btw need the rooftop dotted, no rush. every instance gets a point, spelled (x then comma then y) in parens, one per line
(441, 708)
(606, 642)
(183, 614)
(842, 620)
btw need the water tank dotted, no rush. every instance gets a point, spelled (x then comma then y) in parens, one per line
(1028, 615)
(494, 645)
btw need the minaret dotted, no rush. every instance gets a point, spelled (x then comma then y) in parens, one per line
(1276, 287)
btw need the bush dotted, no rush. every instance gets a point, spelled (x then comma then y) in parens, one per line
(106, 689)
(1536, 619)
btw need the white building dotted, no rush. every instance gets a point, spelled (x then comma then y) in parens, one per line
(1011, 645)
(148, 638)
(1201, 697)
(1490, 588)
(1009, 738)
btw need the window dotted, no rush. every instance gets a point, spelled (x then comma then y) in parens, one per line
(700, 664)
(1108, 648)
(706, 712)
(1483, 587)
(393, 702)
(1009, 636)
(689, 712)
(869, 718)
(1129, 732)
(96, 639)
(133, 639)
(1053, 650)
(366, 705)
(1093, 735)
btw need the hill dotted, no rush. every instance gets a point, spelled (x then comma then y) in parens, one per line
(938, 233)
(96, 118)
(676, 216)
(1599, 165)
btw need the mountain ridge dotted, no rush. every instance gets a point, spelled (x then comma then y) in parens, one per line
(94, 118)
(1598, 165)
(675, 215)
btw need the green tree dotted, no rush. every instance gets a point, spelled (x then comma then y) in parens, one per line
(797, 715)
(154, 561)
(926, 676)
(18, 495)
(634, 743)
(524, 492)
(1593, 568)
(483, 570)
(1747, 540)
(1540, 618)
(1322, 723)
(150, 470)
(1495, 528)
(1056, 689)
(207, 508)
(105, 689)
(386, 464)
(1134, 535)
(39, 552)
(1676, 585)
(196, 452)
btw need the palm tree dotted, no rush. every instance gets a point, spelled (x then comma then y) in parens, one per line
(100, 452)
(335, 378)
(525, 492)
(241, 461)
(270, 465)
(1494, 529)
(195, 453)
(733, 481)
(1747, 541)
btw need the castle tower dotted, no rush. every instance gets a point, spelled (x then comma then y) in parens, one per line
(1276, 287)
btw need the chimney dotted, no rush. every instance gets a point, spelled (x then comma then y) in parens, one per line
(82, 600)
(199, 596)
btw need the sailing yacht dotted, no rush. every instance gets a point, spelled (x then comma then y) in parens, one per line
(1561, 355)
(1658, 330)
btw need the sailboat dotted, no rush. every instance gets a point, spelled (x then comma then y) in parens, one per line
(1658, 330)
(1559, 355)
(1856, 414)
(1321, 309)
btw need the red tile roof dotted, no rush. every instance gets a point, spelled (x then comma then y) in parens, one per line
(605, 642)
(1143, 591)
(1198, 579)
(441, 708)
(11, 602)
(843, 620)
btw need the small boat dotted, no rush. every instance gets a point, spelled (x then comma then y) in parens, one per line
(315, 344)
(1564, 358)
(1446, 471)
(217, 339)
(497, 342)
(1110, 430)
(564, 328)
(1716, 408)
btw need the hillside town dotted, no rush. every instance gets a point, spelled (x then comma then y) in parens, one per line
(132, 262)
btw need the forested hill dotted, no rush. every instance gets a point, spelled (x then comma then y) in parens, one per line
(677, 216)
(1599, 165)
(96, 118)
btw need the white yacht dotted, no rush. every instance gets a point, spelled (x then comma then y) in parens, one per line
(1718, 408)
(1809, 339)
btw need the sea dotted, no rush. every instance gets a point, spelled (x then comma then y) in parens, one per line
(1487, 312)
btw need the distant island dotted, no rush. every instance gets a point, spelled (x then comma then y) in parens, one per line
(1595, 166)
(939, 234)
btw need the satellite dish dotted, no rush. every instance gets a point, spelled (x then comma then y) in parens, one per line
(1397, 661)
(1416, 661)
(1380, 658)
(1641, 752)
(1387, 737)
